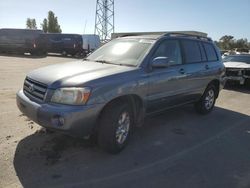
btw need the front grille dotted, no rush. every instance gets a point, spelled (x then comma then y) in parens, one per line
(34, 89)
(247, 72)
(231, 72)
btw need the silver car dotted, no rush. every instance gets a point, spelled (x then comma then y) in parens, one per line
(115, 87)
(238, 67)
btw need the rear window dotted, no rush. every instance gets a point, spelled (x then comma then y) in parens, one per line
(210, 51)
(191, 51)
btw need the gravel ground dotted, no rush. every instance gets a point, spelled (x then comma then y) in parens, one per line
(175, 149)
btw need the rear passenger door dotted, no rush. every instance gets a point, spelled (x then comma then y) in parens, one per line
(195, 67)
(213, 65)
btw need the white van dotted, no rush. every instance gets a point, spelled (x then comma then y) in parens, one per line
(90, 42)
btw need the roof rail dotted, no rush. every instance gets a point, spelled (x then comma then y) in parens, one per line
(117, 35)
(199, 35)
(162, 33)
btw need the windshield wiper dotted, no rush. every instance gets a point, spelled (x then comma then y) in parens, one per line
(128, 65)
(104, 62)
(119, 64)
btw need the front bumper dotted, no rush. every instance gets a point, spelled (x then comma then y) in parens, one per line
(77, 120)
(240, 79)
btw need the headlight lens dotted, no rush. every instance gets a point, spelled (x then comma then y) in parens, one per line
(71, 96)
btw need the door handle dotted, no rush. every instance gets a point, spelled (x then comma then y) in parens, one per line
(207, 67)
(182, 71)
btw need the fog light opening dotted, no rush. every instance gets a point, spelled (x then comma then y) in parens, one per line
(58, 121)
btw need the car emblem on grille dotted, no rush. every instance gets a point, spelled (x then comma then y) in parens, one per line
(31, 88)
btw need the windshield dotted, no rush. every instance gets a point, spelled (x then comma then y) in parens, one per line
(128, 52)
(244, 59)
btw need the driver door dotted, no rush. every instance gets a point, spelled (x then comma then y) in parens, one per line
(167, 84)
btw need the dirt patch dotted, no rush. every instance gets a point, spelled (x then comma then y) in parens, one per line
(52, 150)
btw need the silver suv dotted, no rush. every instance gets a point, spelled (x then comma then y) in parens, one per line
(115, 87)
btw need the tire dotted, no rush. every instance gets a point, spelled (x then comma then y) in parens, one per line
(38, 53)
(247, 83)
(206, 103)
(49, 131)
(115, 127)
(64, 53)
(44, 53)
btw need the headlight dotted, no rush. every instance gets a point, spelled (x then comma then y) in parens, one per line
(72, 96)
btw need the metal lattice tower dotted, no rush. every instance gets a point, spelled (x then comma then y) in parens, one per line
(104, 19)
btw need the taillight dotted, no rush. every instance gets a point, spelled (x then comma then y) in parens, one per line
(34, 45)
(74, 45)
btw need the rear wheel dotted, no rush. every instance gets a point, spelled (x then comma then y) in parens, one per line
(207, 101)
(64, 53)
(115, 127)
(39, 53)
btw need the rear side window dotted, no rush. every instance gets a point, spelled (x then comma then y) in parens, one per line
(210, 51)
(203, 54)
(192, 51)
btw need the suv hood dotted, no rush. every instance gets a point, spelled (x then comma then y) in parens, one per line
(236, 65)
(74, 73)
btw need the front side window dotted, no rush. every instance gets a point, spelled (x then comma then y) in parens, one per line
(171, 50)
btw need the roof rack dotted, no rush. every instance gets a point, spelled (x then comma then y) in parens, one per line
(193, 34)
(190, 35)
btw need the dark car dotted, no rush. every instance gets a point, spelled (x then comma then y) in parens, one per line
(120, 83)
(22, 41)
(238, 68)
(64, 43)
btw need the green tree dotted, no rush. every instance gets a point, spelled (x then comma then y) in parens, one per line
(31, 23)
(241, 43)
(226, 42)
(45, 25)
(50, 24)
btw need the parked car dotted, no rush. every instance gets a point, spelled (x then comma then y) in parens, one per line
(22, 41)
(222, 52)
(64, 43)
(238, 67)
(90, 42)
(115, 87)
(241, 50)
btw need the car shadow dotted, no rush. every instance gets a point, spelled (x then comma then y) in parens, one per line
(65, 56)
(233, 86)
(25, 55)
(56, 160)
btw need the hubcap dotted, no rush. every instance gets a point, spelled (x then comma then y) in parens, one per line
(209, 100)
(123, 127)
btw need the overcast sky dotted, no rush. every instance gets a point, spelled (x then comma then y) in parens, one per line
(216, 18)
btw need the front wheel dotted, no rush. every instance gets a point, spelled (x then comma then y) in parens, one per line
(207, 101)
(115, 127)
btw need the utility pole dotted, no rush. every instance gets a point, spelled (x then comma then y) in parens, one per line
(104, 19)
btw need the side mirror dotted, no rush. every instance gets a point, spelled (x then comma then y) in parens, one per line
(160, 62)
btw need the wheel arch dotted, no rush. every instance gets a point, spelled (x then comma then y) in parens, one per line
(135, 102)
(216, 84)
